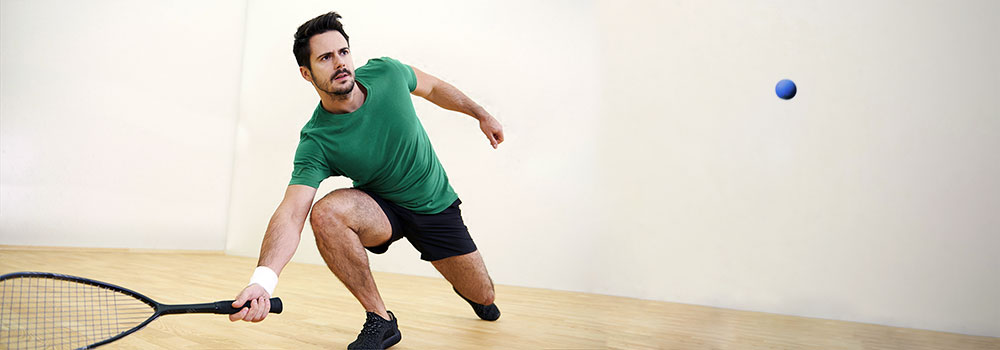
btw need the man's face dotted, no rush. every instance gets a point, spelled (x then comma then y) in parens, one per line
(332, 65)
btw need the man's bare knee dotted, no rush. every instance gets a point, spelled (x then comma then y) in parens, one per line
(345, 211)
(329, 214)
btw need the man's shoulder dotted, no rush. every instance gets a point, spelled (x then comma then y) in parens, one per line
(388, 70)
(311, 123)
(380, 62)
(381, 65)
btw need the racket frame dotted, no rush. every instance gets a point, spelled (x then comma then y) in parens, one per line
(224, 307)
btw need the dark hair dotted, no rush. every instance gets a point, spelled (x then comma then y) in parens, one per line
(316, 26)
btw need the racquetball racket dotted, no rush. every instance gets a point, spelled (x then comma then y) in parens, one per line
(40, 310)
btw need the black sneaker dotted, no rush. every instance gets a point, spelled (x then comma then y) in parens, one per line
(486, 312)
(377, 333)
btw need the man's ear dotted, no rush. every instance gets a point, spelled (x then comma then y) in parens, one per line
(306, 74)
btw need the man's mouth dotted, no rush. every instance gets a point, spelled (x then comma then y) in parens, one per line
(341, 75)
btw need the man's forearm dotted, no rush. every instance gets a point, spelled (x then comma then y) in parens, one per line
(280, 242)
(449, 97)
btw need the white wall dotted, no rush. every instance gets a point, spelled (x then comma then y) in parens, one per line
(871, 196)
(117, 122)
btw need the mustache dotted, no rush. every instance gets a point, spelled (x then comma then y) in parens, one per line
(335, 74)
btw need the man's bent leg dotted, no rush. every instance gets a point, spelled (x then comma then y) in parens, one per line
(344, 222)
(467, 274)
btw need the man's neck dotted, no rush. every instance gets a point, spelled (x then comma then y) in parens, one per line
(344, 104)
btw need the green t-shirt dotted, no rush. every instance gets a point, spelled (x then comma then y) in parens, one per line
(381, 146)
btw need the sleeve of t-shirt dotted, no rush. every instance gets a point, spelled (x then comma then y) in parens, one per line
(405, 72)
(310, 165)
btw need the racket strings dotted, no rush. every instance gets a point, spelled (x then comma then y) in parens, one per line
(48, 313)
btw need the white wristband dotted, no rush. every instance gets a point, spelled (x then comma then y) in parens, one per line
(265, 277)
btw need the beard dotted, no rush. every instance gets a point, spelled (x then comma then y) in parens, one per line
(341, 92)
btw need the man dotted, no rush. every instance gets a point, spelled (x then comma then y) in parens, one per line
(365, 128)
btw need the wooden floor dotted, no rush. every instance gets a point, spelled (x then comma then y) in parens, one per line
(321, 314)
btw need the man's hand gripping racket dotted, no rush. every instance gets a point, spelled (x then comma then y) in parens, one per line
(256, 304)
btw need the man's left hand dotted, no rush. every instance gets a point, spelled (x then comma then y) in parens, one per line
(492, 129)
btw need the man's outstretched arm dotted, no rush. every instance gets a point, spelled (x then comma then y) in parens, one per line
(448, 97)
(280, 241)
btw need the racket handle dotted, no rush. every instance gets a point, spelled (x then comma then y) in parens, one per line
(226, 306)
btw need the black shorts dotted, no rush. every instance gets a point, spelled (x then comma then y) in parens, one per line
(435, 236)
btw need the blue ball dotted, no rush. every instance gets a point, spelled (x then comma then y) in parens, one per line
(785, 89)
